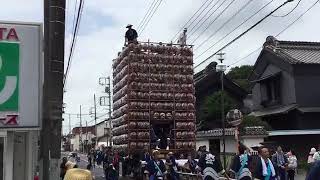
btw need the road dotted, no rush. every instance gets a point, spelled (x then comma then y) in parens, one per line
(97, 171)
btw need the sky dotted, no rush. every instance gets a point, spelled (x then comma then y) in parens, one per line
(102, 28)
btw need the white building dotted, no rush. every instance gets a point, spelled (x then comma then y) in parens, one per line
(86, 141)
(252, 137)
(103, 133)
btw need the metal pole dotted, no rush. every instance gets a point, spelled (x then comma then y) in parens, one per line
(95, 119)
(69, 123)
(86, 137)
(223, 122)
(110, 110)
(80, 137)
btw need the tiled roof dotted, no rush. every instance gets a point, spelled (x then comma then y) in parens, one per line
(295, 52)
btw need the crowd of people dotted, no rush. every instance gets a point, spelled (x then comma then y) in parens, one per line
(154, 165)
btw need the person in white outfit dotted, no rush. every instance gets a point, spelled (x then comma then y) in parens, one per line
(183, 37)
(292, 165)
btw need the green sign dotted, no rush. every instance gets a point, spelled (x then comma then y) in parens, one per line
(9, 76)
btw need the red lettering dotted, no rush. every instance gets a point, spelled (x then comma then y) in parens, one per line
(12, 120)
(12, 35)
(1, 32)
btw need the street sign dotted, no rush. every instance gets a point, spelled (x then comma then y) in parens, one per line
(20, 74)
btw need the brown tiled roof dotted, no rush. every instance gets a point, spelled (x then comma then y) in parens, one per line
(295, 52)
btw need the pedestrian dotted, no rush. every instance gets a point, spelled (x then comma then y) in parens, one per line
(155, 168)
(78, 174)
(281, 162)
(70, 165)
(131, 35)
(310, 159)
(63, 168)
(241, 163)
(314, 173)
(146, 156)
(292, 164)
(316, 155)
(190, 165)
(210, 166)
(183, 37)
(264, 169)
(172, 167)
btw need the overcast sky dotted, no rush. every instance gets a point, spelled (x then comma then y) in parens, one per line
(103, 23)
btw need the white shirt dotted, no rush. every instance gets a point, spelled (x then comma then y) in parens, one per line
(316, 156)
(182, 39)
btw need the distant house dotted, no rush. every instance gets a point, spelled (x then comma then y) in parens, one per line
(286, 92)
(104, 133)
(82, 138)
(207, 82)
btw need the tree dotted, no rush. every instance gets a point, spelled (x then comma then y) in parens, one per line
(240, 76)
(211, 108)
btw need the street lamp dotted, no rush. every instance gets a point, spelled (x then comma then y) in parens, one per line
(221, 68)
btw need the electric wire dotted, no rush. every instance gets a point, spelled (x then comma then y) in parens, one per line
(282, 31)
(289, 11)
(214, 20)
(194, 26)
(230, 32)
(147, 13)
(74, 37)
(155, 10)
(185, 25)
(239, 36)
(224, 24)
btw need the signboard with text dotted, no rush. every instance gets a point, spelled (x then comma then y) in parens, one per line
(20, 75)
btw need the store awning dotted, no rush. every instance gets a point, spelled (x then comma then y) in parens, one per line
(294, 132)
(309, 109)
(274, 110)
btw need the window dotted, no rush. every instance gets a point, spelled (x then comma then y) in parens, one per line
(270, 91)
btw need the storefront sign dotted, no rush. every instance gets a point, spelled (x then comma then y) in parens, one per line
(20, 74)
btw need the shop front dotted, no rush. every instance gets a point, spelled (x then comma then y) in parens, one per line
(20, 99)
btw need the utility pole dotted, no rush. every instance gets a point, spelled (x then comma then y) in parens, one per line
(221, 67)
(80, 136)
(54, 36)
(86, 136)
(69, 123)
(106, 82)
(95, 119)
(110, 110)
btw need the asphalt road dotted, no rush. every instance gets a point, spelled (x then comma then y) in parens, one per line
(97, 171)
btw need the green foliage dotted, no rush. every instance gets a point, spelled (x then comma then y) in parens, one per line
(241, 72)
(212, 106)
(240, 76)
(251, 121)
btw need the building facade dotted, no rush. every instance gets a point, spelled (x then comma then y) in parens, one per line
(286, 94)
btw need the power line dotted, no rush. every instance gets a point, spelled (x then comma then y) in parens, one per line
(75, 33)
(239, 36)
(214, 20)
(155, 10)
(282, 31)
(185, 25)
(246, 20)
(235, 14)
(191, 30)
(144, 17)
(289, 11)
